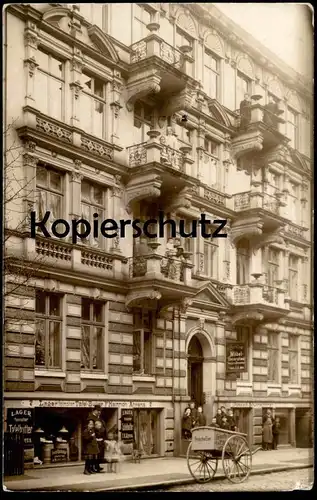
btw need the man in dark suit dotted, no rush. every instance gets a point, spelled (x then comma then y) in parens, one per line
(245, 111)
(100, 430)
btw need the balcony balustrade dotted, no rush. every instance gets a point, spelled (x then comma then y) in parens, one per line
(153, 45)
(143, 153)
(258, 294)
(154, 266)
(248, 200)
(264, 130)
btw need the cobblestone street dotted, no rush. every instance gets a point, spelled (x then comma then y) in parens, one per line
(301, 479)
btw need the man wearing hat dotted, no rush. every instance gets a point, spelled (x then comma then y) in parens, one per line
(101, 435)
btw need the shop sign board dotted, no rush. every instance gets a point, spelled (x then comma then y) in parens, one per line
(21, 420)
(64, 403)
(127, 426)
(235, 357)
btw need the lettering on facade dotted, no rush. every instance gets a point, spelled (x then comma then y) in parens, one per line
(88, 404)
(21, 421)
(235, 357)
(127, 426)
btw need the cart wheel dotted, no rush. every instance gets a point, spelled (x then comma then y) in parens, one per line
(236, 459)
(201, 465)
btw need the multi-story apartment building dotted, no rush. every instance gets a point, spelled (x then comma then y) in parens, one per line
(123, 116)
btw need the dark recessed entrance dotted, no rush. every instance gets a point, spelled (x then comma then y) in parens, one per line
(195, 371)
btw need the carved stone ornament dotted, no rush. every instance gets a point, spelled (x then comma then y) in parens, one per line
(76, 176)
(136, 298)
(76, 87)
(31, 64)
(54, 130)
(141, 85)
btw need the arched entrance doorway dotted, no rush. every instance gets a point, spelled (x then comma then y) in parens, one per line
(195, 370)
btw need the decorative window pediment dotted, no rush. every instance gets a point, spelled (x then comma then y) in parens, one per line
(102, 42)
(218, 111)
(187, 23)
(245, 65)
(293, 101)
(275, 88)
(214, 43)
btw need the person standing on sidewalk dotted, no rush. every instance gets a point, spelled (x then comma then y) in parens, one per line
(276, 431)
(201, 419)
(267, 431)
(90, 448)
(100, 438)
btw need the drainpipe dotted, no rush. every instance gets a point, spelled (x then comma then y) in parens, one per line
(173, 358)
(179, 346)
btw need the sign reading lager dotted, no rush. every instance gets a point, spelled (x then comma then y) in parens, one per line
(235, 357)
(20, 421)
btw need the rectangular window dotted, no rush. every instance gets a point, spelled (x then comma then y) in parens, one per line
(292, 127)
(273, 267)
(211, 74)
(210, 167)
(49, 194)
(93, 201)
(142, 343)
(243, 263)
(293, 277)
(143, 122)
(48, 338)
(92, 334)
(273, 357)
(243, 87)
(93, 106)
(210, 267)
(293, 359)
(294, 208)
(142, 17)
(50, 85)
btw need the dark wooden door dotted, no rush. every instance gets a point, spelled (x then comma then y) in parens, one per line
(196, 381)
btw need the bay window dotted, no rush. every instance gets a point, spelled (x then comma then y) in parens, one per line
(93, 201)
(292, 127)
(92, 334)
(49, 195)
(93, 106)
(243, 86)
(293, 264)
(50, 85)
(48, 335)
(211, 75)
(293, 359)
(273, 357)
(143, 121)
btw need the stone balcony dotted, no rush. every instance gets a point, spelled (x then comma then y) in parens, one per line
(158, 170)
(260, 134)
(258, 216)
(80, 259)
(159, 280)
(259, 302)
(158, 68)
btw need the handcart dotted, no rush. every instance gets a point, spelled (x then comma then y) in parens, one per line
(210, 444)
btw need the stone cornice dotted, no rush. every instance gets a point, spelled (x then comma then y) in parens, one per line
(252, 47)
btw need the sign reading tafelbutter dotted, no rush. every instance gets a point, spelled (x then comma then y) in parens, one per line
(235, 357)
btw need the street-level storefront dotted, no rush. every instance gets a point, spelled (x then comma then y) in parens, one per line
(58, 425)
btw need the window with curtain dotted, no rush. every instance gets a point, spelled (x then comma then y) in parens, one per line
(93, 106)
(273, 357)
(293, 284)
(293, 359)
(244, 335)
(143, 342)
(211, 74)
(294, 207)
(143, 122)
(210, 253)
(48, 335)
(243, 86)
(93, 201)
(49, 195)
(50, 85)
(211, 171)
(94, 13)
(92, 334)
(292, 127)
(142, 16)
(243, 262)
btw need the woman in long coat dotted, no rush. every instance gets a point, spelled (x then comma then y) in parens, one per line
(267, 432)
(91, 449)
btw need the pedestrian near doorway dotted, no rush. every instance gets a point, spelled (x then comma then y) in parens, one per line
(201, 419)
(90, 448)
(231, 421)
(219, 417)
(276, 432)
(100, 438)
(193, 413)
(267, 431)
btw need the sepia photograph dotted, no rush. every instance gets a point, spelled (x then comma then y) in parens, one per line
(158, 251)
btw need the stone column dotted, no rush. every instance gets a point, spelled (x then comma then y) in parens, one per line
(75, 191)
(292, 427)
(30, 161)
(286, 276)
(116, 194)
(115, 93)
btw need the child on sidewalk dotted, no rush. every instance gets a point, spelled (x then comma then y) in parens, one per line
(113, 453)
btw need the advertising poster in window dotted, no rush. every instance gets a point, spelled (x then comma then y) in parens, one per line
(22, 421)
(236, 357)
(127, 426)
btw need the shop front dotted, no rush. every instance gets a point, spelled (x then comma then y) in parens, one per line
(146, 431)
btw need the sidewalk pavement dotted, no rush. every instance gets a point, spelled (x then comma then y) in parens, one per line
(152, 472)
